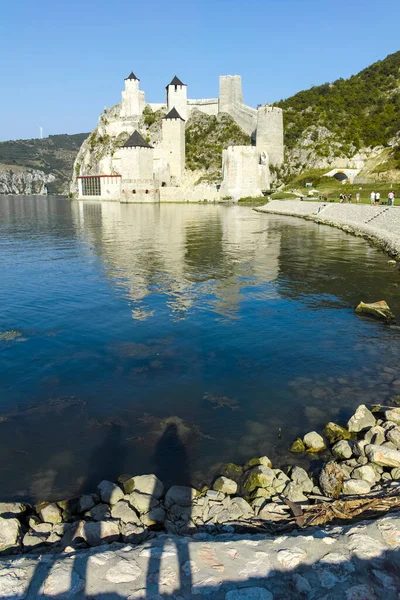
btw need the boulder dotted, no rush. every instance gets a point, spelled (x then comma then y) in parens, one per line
(215, 495)
(239, 508)
(142, 502)
(50, 513)
(393, 415)
(225, 485)
(100, 533)
(297, 447)
(362, 419)
(359, 448)
(134, 534)
(254, 462)
(355, 486)
(231, 471)
(180, 494)
(300, 477)
(334, 433)
(110, 493)
(395, 473)
(146, 484)
(331, 479)
(33, 540)
(294, 493)
(154, 518)
(274, 511)
(256, 477)
(365, 473)
(393, 435)
(99, 512)
(10, 535)
(123, 511)
(375, 435)
(342, 450)
(42, 527)
(314, 442)
(11, 509)
(85, 503)
(383, 456)
(378, 310)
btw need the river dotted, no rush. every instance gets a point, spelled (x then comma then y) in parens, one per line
(236, 328)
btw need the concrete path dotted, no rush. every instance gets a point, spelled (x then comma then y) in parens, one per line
(357, 562)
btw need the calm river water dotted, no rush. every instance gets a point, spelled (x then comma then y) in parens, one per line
(231, 329)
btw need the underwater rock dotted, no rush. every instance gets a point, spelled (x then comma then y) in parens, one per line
(221, 401)
(298, 446)
(378, 310)
(334, 433)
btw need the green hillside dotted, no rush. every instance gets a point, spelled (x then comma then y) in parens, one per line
(363, 110)
(54, 154)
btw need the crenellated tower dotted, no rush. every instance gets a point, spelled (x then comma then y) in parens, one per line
(269, 133)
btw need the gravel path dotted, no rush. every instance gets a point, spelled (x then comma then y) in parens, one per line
(356, 562)
(380, 224)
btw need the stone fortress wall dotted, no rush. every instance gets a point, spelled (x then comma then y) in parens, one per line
(245, 169)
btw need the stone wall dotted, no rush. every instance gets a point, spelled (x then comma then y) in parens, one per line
(242, 172)
(210, 106)
(269, 136)
(199, 193)
(137, 163)
(173, 145)
(231, 102)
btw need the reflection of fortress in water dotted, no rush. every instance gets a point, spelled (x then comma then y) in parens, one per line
(180, 252)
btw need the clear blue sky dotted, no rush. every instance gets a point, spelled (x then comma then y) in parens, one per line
(62, 61)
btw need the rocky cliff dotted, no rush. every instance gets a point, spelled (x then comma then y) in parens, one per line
(19, 180)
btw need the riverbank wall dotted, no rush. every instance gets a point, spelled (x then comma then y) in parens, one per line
(378, 224)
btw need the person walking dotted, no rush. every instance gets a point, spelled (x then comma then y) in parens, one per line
(372, 196)
(341, 198)
(377, 197)
(358, 198)
(350, 198)
(391, 198)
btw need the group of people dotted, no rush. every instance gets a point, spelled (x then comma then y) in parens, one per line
(348, 198)
(376, 197)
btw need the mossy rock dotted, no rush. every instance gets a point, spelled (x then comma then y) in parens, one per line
(298, 446)
(395, 400)
(258, 477)
(255, 462)
(334, 433)
(231, 471)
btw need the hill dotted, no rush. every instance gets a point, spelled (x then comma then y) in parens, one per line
(53, 155)
(346, 119)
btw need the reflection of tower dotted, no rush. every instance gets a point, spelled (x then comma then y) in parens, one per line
(177, 97)
(173, 142)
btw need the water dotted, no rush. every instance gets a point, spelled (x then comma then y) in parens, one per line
(236, 327)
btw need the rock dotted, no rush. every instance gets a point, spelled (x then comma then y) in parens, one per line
(50, 513)
(32, 540)
(10, 535)
(142, 502)
(225, 485)
(378, 310)
(179, 494)
(11, 509)
(231, 471)
(154, 518)
(62, 582)
(393, 436)
(249, 593)
(133, 534)
(42, 527)
(100, 532)
(375, 435)
(301, 479)
(366, 473)
(391, 262)
(297, 447)
(256, 477)
(215, 496)
(85, 503)
(342, 450)
(395, 473)
(314, 442)
(331, 480)
(124, 571)
(274, 511)
(393, 415)
(123, 511)
(362, 419)
(359, 448)
(146, 484)
(294, 493)
(355, 486)
(383, 456)
(290, 558)
(362, 460)
(110, 493)
(254, 462)
(334, 433)
(239, 508)
(99, 512)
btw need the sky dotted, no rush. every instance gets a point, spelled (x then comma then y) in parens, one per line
(62, 62)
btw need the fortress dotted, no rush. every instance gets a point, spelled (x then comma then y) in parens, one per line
(117, 163)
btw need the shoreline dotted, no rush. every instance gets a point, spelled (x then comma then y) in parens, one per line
(362, 475)
(351, 218)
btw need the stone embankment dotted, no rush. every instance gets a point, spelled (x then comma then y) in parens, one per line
(379, 224)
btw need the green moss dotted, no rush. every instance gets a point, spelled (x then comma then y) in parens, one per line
(334, 433)
(297, 447)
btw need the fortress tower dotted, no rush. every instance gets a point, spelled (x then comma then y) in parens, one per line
(269, 135)
(137, 183)
(132, 98)
(230, 92)
(245, 173)
(177, 97)
(173, 142)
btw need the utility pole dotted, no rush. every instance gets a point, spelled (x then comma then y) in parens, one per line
(41, 132)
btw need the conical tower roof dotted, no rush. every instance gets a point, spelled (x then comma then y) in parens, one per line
(176, 81)
(173, 114)
(132, 76)
(136, 141)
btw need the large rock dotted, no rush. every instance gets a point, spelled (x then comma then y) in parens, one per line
(50, 513)
(375, 435)
(362, 419)
(180, 494)
(334, 432)
(393, 415)
(256, 477)
(100, 533)
(134, 534)
(294, 493)
(10, 535)
(142, 502)
(355, 486)
(342, 450)
(144, 484)
(331, 480)
(366, 473)
(393, 435)
(99, 512)
(154, 518)
(11, 509)
(300, 477)
(110, 493)
(225, 485)
(378, 310)
(314, 442)
(85, 503)
(255, 462)
(383, 456)
(123, 511)
(297, 446)
(239, 508)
